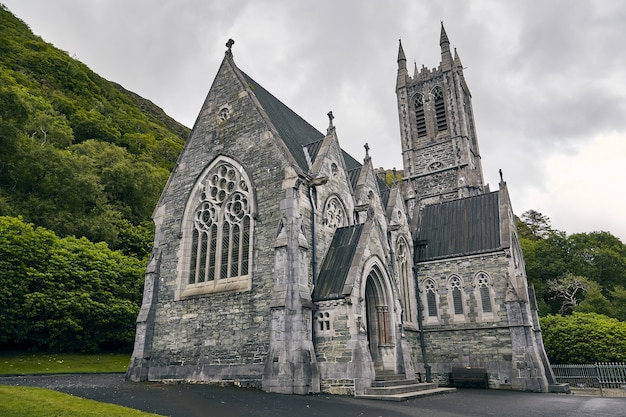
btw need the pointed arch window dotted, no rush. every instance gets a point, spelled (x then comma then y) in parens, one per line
(457, 295)
(420, 118)
(217, 232)
(334, 213)
(431, 298)
(440, 109)
(405, 281)
(484, 289)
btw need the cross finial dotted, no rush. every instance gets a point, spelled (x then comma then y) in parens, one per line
(330, 122)
(367, 150)
(229, 45)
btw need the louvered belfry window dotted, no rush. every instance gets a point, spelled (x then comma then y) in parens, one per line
(420, 118)
(440, 109)
(220, 238)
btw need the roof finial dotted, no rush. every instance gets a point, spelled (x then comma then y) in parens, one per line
(367, 150)
(229, 45)
(330, 121)
(501, 177)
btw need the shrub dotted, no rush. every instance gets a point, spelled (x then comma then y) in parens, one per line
(584, 338)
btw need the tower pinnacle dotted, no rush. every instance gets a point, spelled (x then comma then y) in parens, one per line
(446, 57)
(401, 56)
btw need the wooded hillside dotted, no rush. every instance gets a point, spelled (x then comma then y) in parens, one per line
(80, 155)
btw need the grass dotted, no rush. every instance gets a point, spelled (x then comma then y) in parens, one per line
(19, 363)
(28, 401)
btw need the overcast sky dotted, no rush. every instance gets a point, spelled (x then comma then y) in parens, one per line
(548, 78)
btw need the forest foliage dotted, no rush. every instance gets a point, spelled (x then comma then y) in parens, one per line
(580, 272)
(82, 164)
(81, 155)
(65, 294)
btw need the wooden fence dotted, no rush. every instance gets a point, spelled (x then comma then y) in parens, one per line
(592, 376)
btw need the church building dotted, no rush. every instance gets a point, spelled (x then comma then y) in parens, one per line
(281, 262)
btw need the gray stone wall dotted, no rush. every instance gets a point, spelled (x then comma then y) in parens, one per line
(219, 335)
(475, 338)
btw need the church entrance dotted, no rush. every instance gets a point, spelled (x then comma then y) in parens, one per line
(379, 328)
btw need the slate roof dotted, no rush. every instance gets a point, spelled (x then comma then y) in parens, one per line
(293, 129)
(334, 270)
(460, 227)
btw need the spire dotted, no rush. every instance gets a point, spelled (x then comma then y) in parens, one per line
(444, 38)
(446, 58)
(457, 60)
(403, 74)
(401, 56)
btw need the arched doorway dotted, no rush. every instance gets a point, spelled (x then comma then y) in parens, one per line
(379, 322)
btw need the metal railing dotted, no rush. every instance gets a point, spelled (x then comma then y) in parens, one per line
(592, 376)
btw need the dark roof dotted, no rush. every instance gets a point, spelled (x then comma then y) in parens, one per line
(293, 129)
(384, 191)
(353, 175)
(334, 270)
(460, 227)
(314, 148)
(384, 196)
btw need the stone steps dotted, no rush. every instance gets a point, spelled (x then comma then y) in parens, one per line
(390, 387)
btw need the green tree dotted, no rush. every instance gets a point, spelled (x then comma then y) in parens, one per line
(534, 225)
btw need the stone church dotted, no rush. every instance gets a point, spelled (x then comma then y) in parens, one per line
(282, 262)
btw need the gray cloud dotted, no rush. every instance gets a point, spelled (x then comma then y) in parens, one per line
(548, 77)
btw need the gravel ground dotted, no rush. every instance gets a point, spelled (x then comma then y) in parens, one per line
(195, 400)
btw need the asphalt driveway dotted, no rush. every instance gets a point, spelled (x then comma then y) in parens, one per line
(194, 400)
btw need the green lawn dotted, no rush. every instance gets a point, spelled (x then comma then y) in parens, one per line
(28, 401)
(19, 363)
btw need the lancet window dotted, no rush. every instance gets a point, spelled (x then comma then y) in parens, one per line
(431, 298)
(457, 296)
(483, 285)
(405, 275)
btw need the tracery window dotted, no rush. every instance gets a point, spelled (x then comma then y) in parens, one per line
(405, 281)
(483, 284)
(440, 109)
(334, 213)
(431, 297)
(457, 295)
(219, 231)
(420, 118)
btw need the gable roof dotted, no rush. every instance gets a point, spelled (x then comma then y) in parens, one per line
(334, 270)
(460, 227)
(293, 129)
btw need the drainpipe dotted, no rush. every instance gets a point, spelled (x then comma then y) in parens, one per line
(420, 308)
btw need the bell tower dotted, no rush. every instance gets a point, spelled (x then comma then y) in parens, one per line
(439, 146)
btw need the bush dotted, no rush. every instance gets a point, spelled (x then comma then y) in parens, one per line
(584, 338)
(65, 294)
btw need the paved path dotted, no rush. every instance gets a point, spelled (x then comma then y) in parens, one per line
(189, 400)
